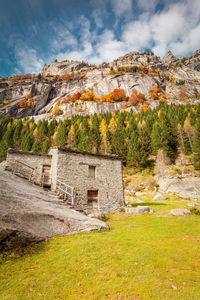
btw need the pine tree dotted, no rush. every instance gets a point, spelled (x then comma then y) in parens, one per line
(17, 134)
(105, 145)
(6, 142)
(61, 135)
(96, 139)
(196, 155)
(137, 156)
(27, 141)
(118, 142)
(37, 147)
(85, 137)
(52, 127)
(71, 137)
(164, 137)
(45, 146)
(189, 130)
(112, 126)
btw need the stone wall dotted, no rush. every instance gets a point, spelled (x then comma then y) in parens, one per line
(27, 164)
(73, 169)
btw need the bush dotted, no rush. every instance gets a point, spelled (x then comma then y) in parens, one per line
(195, 211)
(122, 209)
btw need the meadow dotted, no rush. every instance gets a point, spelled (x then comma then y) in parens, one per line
(141, 257)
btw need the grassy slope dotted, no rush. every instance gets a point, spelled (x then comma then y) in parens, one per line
(142, 257)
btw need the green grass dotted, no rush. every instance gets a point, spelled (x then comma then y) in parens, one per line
(142, 257)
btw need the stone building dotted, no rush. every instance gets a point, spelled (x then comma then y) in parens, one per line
(87, 181)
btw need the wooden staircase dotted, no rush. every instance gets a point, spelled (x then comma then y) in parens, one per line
(65, 192)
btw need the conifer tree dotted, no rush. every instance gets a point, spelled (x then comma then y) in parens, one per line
(189, 130)
(85, 137)
(6, 142)
(45, 146)
(137, 156)
(112, 126)
(118, 142)
(61, 135)
(196, 155)
(27, 141)
(52, 127)
(105, 145)
(17, 134)
(37, 147)
(164, 137)
(71, 137)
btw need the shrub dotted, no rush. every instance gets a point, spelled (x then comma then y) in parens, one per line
(56, 110)
(195, 211)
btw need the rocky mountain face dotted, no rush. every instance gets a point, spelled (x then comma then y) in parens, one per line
(169, 79)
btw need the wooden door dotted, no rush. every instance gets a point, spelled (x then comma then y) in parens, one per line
(93, 199)
(46, 177)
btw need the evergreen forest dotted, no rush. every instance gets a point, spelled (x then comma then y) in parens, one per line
(136, 137)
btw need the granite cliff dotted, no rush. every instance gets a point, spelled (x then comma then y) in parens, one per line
(171, 79)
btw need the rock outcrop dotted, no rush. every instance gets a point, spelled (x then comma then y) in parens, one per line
(178, 80)
(61, 68)
(139, 210)
(180, 212)
(187, 187)
(169, 57)
(30, 214)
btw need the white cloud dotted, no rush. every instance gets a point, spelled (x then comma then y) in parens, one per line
(109, 48)
(121, 6)
(137, 35)
(28, 60)
(63, 39)
(147, 5)
(176, 27)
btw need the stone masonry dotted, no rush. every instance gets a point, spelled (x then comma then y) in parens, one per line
(97, 179)
(27, 164)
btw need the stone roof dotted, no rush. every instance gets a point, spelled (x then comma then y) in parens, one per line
(110, 156)
(10, 150)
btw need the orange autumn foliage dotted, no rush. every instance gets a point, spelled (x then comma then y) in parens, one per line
(154, 96)
(145, 70)
(27, 96)
(56, 110)
(22, 104)
(136, 98)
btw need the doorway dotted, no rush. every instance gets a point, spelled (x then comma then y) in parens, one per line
(46, 178)
(93, 199)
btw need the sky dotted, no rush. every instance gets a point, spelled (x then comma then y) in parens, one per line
(36, 32)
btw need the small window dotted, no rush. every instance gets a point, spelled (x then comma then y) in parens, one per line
(92, 170)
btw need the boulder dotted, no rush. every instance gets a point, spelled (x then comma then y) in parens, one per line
(193, 204)
(139, 210)
(186, 188)
(138, 194)
(179, 212)
(30, 214)
(159, 197)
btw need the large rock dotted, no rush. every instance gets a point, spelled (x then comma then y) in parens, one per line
(179, 212)
(61, 68)
(187, 187)
(159, 197)
(139, 210)
(30, 214)
(193, 204)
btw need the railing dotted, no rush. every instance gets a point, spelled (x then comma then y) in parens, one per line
(19, 168)
(66, 190)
